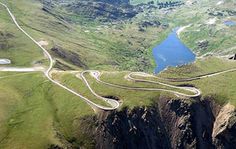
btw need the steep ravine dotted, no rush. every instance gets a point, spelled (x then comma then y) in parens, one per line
(168, 124)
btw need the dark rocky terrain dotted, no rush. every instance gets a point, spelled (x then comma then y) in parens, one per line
(4, 40)
(168, 124)
(68, 56)
(102, 10)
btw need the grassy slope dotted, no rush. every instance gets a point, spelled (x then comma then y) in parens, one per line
(34, 114)
(41, 106)
(221, 87)
(100, 47)
(33, 111)
(200, 67)
(121, 46)
(70, 80)
(20, 50)
(129, 98)
(220, 36)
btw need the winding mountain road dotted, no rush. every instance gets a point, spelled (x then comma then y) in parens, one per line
(196, 92)
(115, 104)
(47, 72)
(96, 74)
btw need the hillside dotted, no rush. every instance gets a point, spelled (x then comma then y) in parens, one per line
(113, 45)
(81, 75)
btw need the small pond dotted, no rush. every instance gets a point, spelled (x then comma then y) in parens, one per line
(230, 23)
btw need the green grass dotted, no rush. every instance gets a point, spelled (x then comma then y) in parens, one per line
(221, 87)
(34, 112)
(105, 47)
(70, 80)
(15, 45)
(119, 78)
(121, 46)
(221, 38)
(200, 67)
(38, 105)
(129, 98)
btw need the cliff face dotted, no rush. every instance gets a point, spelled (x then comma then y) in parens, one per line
(224, 131)
(188, 124)
(168, 124)
(138, 128)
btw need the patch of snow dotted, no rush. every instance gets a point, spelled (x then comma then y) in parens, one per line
(190, 2)
(211, 21)
(5, 61)
(15, 69)
(220, 2)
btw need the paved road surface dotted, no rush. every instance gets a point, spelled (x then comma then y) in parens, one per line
(96, 74)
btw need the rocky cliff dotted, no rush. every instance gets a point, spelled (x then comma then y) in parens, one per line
(224, 131)
(168, 124)
(137, 128)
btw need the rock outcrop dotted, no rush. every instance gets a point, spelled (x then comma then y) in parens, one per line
(4, 40)
(233, 57)
(188, 124)
(69, 56)
(224, 131)
(132, 129)
(203, 44)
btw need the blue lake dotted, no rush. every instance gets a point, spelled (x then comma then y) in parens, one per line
(172, 52)
(230, 23)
